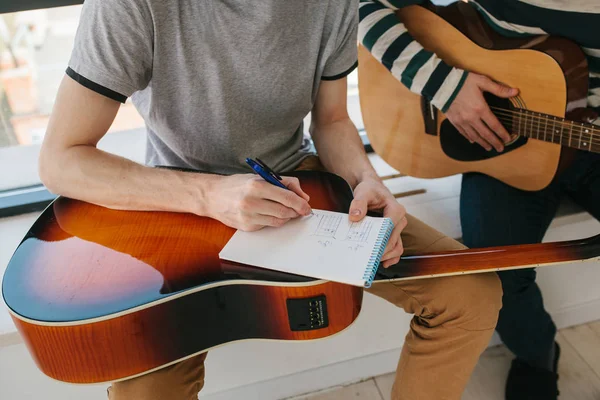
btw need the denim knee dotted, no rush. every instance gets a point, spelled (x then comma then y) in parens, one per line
(517, 281)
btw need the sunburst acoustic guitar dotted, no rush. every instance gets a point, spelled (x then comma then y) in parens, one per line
(551, 75)
(102, 295)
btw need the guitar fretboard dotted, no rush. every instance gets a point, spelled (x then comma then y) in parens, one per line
(579, 135)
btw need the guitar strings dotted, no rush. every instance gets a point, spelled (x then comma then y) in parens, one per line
(548, 121)
(560, 121)
(533, 113)
(537, 135)
(508, 117)
(562, 137)
(532, 125)
(538, 123)
(580, 125)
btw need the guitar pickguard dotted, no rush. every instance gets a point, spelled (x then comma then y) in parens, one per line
(457, 147)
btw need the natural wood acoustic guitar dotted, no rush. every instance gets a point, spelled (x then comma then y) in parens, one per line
(102, 295)
(552, 77)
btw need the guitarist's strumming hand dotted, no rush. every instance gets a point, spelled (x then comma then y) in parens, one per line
(249, 203)
(372, 194)
(471, 115)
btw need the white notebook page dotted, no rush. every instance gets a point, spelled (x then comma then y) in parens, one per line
(325, 245)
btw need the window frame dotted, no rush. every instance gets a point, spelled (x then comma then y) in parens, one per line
(26, 5)
(30, 198)
(24, 200)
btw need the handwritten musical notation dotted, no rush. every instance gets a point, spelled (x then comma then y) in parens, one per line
(328, 226)
(359, 231)
(355, 247)
(325, 245)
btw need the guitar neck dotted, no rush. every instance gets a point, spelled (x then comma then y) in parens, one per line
(548, 128)
(491, 259)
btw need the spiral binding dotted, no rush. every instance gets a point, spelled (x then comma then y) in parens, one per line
(382, 238)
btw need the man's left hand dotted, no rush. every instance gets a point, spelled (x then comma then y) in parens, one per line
(371, 194)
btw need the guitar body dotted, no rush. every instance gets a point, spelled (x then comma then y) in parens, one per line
(102, 295)
(550, 73)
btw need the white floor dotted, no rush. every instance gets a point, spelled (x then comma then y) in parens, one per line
(579, 372)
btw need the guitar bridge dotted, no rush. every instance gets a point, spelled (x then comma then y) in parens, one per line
(307, 314)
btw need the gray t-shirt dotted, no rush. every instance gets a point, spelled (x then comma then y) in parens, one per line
(217, 80)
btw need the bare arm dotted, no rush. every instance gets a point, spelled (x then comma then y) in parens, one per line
(341, 151)
(71, 165)
(335, 136)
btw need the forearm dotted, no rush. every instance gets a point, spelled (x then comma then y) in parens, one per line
(342, 152)
(89, 174)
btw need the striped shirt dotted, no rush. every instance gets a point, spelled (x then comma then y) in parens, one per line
(426, 74)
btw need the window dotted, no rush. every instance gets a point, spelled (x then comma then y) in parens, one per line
(35, 46)
(353, 102)
(36, 39)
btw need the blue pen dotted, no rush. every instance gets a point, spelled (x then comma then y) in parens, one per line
(267, 173)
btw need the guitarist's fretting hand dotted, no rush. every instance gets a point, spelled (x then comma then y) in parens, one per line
(470, 114)
(249, 203)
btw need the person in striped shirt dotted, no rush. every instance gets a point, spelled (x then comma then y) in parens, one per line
(493, 213)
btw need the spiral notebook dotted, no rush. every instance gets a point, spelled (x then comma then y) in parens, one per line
(325, 245)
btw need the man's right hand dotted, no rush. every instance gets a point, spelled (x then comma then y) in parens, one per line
(249, 203)
(471, 115)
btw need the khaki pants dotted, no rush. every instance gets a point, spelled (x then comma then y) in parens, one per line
(454, 319)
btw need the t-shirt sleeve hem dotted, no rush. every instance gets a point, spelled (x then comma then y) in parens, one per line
(111, 94)
(342, 75)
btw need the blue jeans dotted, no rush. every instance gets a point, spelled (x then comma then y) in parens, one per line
(495, 214)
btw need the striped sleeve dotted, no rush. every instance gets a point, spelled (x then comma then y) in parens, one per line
(389, 42)
(593, 57)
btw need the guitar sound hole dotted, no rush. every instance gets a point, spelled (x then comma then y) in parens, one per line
(457, 147)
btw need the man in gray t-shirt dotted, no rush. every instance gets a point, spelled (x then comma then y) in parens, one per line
(224, 94)
(216, 82)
